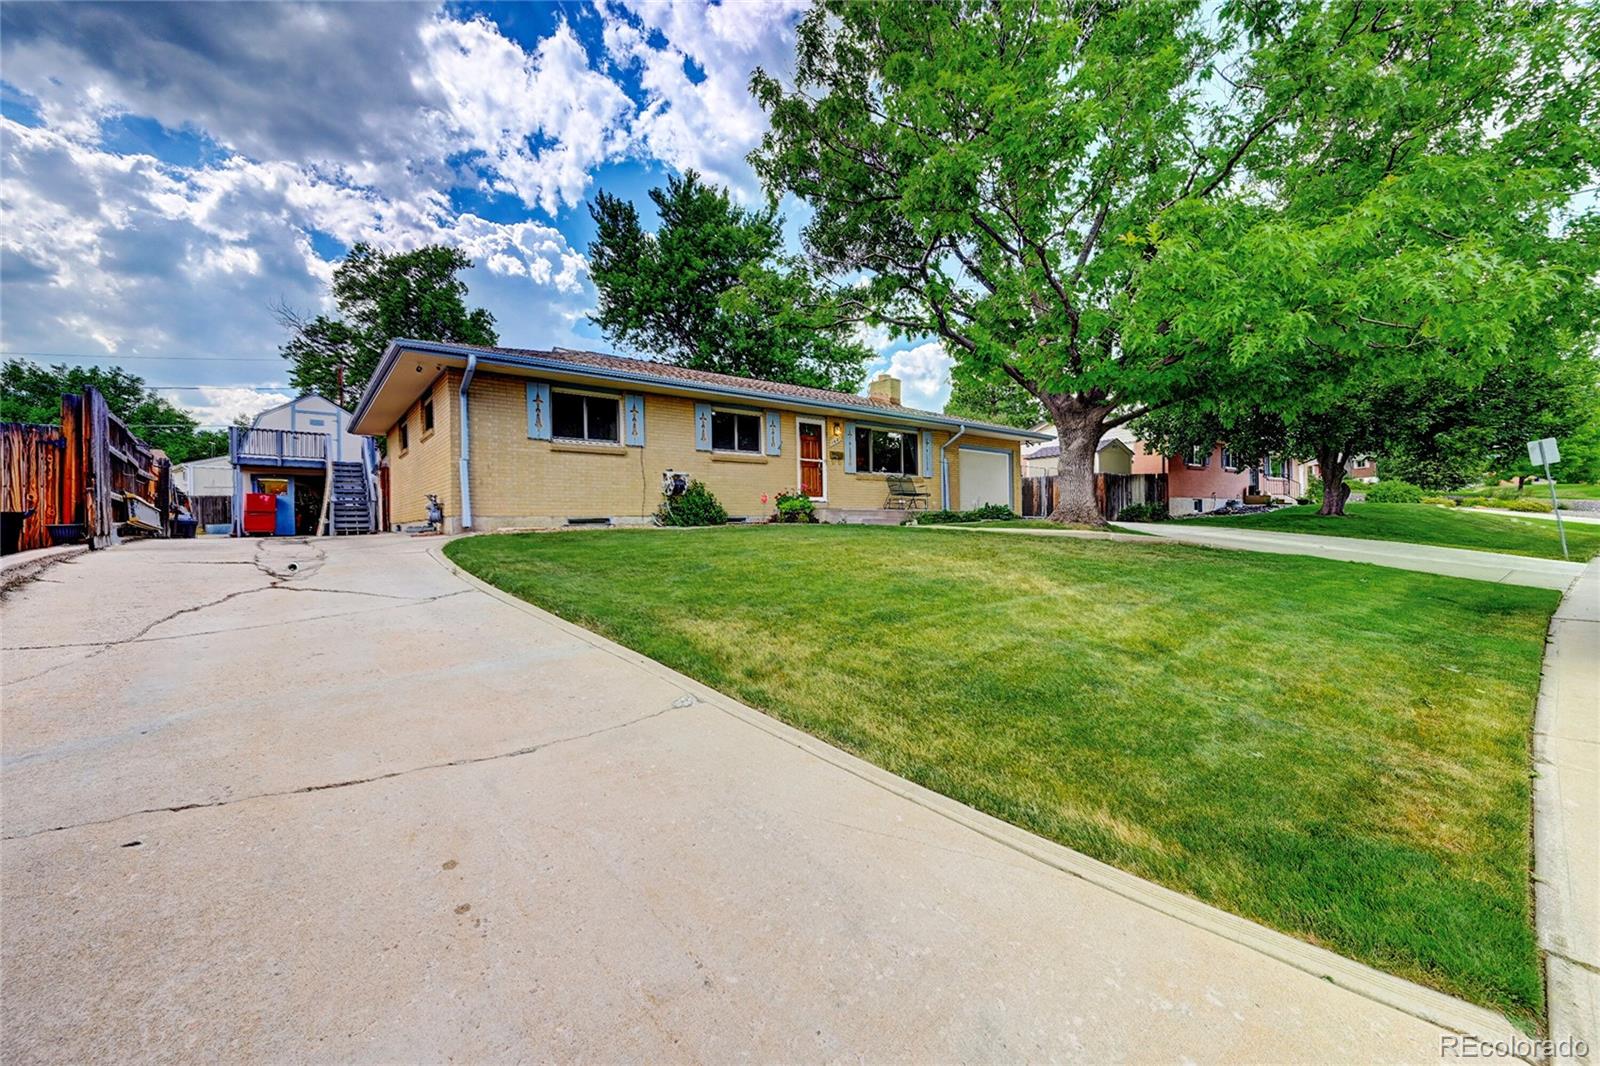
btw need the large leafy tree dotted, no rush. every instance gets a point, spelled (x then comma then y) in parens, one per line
(1430, 430)
(32, 393)
(1117, 207)
(381, 296)
(985, 399)
(1419, 284)
(710, 289)
(1450, 439)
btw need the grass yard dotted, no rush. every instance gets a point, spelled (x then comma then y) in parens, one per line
(1015, 523)
(1419, 523)
(1576, 491)
(1338, 751)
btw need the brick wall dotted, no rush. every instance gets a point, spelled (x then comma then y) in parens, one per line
(522, 482)
(429, 462)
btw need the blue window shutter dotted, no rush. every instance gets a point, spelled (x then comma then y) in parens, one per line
(774, 433)
(633, 419)
(849, 447)
(927, 453)
(538, 411)
(702, 427)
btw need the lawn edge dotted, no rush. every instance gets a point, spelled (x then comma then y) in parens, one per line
(1437, 1008)
(1571, 985)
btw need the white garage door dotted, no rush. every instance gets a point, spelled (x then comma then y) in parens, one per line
(985, 477)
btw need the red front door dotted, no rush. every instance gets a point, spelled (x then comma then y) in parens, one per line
(811, 459)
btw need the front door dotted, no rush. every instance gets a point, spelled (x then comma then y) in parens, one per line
(811, 476)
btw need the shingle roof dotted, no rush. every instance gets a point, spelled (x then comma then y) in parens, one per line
(667, 372)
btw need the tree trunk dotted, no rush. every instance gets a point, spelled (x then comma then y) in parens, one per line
(1334, 489)
(1079, 428)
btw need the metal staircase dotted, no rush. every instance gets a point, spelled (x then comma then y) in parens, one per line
(350, 499)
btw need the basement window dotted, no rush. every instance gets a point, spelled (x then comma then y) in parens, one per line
(581, 416)
(736, 431)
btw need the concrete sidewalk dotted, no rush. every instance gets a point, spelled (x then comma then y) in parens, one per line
(1566, 828)
(329, 801)
(1454, 562)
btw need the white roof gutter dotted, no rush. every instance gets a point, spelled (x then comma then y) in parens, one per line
(466, 442)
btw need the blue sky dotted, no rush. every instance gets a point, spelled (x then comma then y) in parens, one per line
(172, 172)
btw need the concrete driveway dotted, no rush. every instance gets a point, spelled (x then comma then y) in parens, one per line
(329, 801)
(1454, 562)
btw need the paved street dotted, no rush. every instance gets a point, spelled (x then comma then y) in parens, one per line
(1455, 562)
(329, 801)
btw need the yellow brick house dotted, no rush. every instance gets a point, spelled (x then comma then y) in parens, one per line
(516, 438)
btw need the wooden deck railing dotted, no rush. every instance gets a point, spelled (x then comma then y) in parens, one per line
(276, 447)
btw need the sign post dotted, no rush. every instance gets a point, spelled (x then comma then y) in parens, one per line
(1543, 453)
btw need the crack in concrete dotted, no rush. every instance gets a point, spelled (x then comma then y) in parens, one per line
(675, 705)
(226, 629)
(1570, 961)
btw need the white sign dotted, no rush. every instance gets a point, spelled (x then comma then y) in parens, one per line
(1543, 451)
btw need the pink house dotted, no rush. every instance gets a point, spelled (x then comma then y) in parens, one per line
(1203, 481)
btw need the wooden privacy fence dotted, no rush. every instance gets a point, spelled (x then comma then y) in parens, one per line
(1112, 492)
(33, 493)
(89, 479)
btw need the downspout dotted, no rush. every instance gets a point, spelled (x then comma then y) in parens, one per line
(466, 443)
(944, 467)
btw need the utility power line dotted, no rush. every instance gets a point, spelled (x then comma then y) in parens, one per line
(161, 358)
(251, 388)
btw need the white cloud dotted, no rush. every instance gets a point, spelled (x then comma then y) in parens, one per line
(710, 125)
(924, 372)
(497, 97)
(351, 121)
(222, 406)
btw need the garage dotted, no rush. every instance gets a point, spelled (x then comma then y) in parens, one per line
(985, 477)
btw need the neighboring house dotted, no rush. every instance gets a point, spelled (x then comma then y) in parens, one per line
(524, 438)
(209, 485)
(301, 451)
(1362, 468)
(205, 477)
(1205, 480)
(1114, 456)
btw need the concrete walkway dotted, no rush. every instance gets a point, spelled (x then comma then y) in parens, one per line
(1566, 828)
(1455, 562)
(1579, 517)
(330, 801)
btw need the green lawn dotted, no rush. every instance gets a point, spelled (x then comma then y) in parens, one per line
(1338, 751)
(1576, 491)
(1419, 523)
(1016, 523)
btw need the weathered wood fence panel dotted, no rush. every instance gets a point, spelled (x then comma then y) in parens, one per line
(1112, 492)
(211, 510)
(33, 490)
(91, 472)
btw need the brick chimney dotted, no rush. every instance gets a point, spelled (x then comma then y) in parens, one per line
(885, 387)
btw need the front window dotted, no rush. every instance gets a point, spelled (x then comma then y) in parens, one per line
(427, 415)
(735, 431)
(1227, 460)
(576, 416)
(1275, 467)
(405, 437)
(1198, 456)
(885, 451)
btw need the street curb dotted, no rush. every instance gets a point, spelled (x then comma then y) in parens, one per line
(1572, 988)
(25, 566)
(1081, 534)
(1447, 1012)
